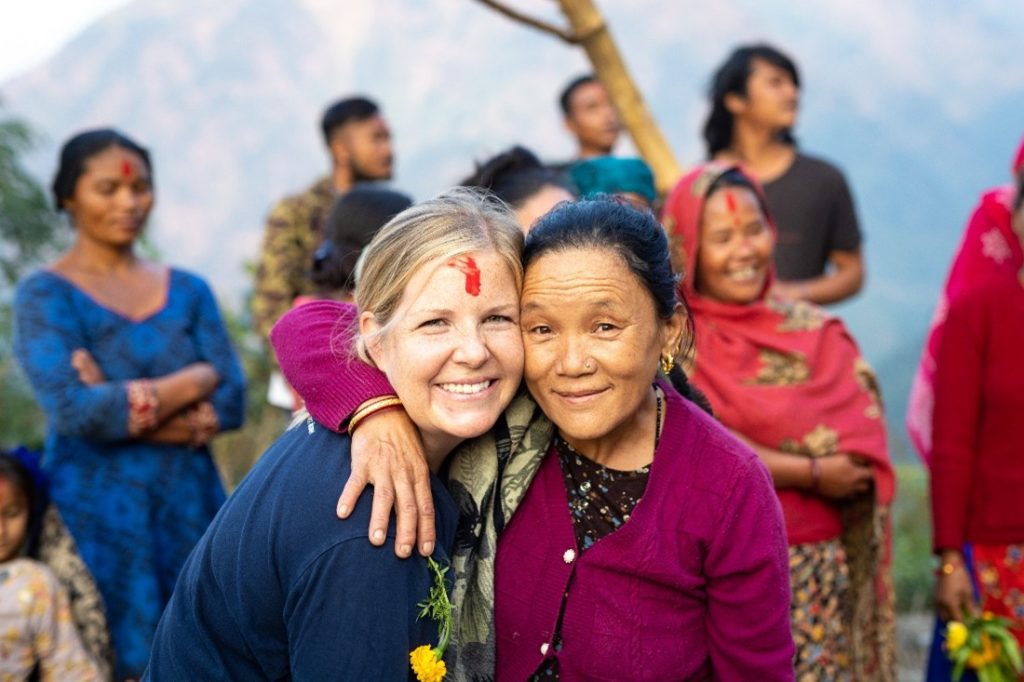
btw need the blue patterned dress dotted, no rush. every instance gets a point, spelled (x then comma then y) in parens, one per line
(135, 508)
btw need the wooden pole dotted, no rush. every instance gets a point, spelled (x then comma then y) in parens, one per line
(589, 30)
(593, 35)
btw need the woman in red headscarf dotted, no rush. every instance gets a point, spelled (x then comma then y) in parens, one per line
(787, 378)
(989, 249)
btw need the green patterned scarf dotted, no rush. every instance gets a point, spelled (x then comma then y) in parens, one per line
(488, 478)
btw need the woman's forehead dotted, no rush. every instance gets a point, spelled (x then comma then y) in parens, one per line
(478, 275)
(593, 272)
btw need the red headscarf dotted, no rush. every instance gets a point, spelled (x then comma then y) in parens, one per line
(989, 248)
(784, 375)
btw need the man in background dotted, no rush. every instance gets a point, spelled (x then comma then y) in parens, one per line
(590, 117)
(755, 96)
(359, 143)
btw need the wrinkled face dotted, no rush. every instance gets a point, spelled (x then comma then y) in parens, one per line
(13, 520)
(539, 204)
(592, 118)
(365, 146)
(453, 351)
(112, 198)
(593, 340)
(772, 97)
(735, 247)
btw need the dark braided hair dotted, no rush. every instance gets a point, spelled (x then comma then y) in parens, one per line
(608, 223)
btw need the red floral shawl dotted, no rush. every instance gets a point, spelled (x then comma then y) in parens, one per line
(990, 248)
(789, 376)
(785, 375)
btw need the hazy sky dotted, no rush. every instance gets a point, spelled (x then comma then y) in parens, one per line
(32, 30)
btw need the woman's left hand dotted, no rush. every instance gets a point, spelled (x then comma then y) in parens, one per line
(388, 454)
(954, 596)
(843, 476)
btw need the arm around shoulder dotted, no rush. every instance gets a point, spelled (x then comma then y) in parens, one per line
(313, 344)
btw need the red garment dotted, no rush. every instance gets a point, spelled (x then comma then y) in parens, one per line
(989, 248)
(785, 375)
(1000, 571)
(978, 423)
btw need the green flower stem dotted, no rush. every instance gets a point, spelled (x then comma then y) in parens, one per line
(438, 606)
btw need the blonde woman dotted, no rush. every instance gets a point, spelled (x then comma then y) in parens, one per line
(278, 587)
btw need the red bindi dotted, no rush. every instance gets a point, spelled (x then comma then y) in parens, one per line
(730, 202)
(127, 169)
(467, 266)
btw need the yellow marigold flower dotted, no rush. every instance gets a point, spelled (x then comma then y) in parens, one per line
(426, 664)
(956, 635)
(989, 653)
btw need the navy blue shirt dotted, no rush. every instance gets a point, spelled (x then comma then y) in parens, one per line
(279, 588)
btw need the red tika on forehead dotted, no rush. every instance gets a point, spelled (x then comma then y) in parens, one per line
(127, 169)
(730, 201)
(467, 266)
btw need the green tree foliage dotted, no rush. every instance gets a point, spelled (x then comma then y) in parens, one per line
(29, 235)
(912, 540)
(28, 226)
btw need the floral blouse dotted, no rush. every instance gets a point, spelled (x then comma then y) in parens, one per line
(36, 627)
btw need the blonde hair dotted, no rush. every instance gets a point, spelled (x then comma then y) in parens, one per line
(452, 224)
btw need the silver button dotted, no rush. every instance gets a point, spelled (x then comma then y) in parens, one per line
(544, 649)
(569, 556)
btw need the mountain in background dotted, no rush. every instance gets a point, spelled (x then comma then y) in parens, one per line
(919, 102)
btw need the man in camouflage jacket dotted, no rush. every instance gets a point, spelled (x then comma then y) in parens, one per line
(359, 143)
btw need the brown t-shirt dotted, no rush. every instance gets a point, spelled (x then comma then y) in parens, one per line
(813, 210)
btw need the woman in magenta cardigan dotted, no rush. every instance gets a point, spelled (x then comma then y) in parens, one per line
(649, 543)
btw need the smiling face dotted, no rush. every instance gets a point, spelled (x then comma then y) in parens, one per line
(735, 247)
(452, 349)
(13, 519)
(112, 198)
(593, 340)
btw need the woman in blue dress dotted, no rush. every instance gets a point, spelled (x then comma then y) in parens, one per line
(133, 367)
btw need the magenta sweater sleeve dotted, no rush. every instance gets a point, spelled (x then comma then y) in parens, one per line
(955, 418)
(313, 344)
(747, 569)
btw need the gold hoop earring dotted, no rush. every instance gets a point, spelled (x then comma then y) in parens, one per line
(667, 363)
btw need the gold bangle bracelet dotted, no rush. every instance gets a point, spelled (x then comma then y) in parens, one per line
(373, 402)
(364, 412)
(371, 407)
(355, 422)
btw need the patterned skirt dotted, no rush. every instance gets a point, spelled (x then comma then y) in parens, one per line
(820, 579)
